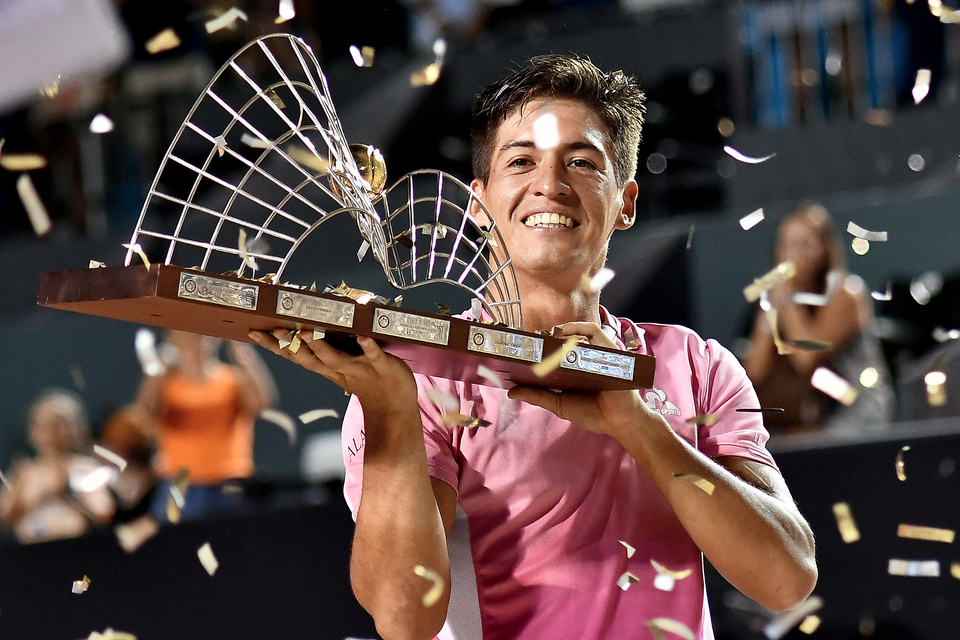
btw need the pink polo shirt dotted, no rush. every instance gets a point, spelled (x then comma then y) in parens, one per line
(543, 505)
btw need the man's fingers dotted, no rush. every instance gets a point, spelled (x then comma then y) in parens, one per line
(542, 398)
(590, 330)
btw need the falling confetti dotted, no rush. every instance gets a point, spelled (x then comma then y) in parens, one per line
(443, 309)
(883, 296)
(308, 159)
(22, 161)
(432, 596)
(227, 19)
(286, 11)
(627, 579)
(690, 235)
(459, 420)
(860, 246)
(553, 360)
(955, 570)
(809, 624)
(244, 253)
(914, 568)
(942, 335)
(220, 143)
(780, 625)
(704, 419)
(317, 414)
(362, 57)
(145, 345)
(701, 483)
(255, 143)
(5, 482)
(137, 249)
(76, 374)
(283, 421)
(859, 232)
(869, 378)
(629, 548)
(36, 212)
(659, 626)
(207, 559)
(921, 86)
(546, 136)
(845, 522)
(178, 495)
(362, 251)
(110, 634)
(163, 41)
(444, 401)
(834, 386)
(426, 76)
(936, 388)
(667, 578)
(736, 155)
(488, 374)
(101, 124)
(780, 273)
(80, 586)
(932, 534)
(110, 456)
(135, 533)
(900, 464)
(751, 220)
(599, 280)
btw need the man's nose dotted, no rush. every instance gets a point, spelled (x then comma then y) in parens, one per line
(551, 180)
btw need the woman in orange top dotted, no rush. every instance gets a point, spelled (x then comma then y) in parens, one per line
(203, 411)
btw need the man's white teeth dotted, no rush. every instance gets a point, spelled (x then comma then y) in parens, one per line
(549, 220)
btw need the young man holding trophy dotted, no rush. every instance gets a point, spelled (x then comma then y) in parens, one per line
(565, 514)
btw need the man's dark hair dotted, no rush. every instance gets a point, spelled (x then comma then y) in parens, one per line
(615, 97)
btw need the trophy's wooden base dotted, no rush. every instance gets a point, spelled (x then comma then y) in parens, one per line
(432, 344)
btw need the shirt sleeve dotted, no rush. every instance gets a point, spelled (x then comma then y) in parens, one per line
(437, 439)
(725, 389)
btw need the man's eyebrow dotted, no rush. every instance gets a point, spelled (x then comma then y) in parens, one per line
(523, 143)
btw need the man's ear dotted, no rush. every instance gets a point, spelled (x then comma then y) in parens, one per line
(628, 206)
(476, 211)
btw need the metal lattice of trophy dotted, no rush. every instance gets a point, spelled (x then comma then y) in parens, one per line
(261, 163)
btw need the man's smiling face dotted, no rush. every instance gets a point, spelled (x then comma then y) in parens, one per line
(557, 207)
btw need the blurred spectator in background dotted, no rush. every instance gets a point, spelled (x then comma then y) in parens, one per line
(842, 317)
(126, 434)
(48, 497)
(202, 411)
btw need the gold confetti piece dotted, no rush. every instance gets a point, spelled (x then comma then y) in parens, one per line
(226, 19)
(283, 421)
(914, 568)
(955, 570)
(811, 344)
(780, 273)
(133, 534)
(110, 456)
(426, 76)
(207, 559)
(286, 11)
(546, 136)
(52, 89)
(275, 98)
(845, 522)
(432, 596)
(705, 419)
(308, 159)
(489, 238)
(110, 634)
(487, 374)
(809, 624)
(660, 626)
(676, 575)
(79, 586)
(936, 388)
(873, 236)
(101, 124)
(317, 414)
(163, 41)
(137, 249)
(443, 309)
(701, 483)
(629, 548)
(460, 420)
(736, 155)
(596, 283)
(633, 344)
(869, 378)
(36, 212)
(780, 625)
(178, 495)
(221, 144)
(554, 359)
(96, 264)
(921, 86)
(942, 335)
(627, 579)
(932, 534)
(362, 56)
(900, 465)
(5, 482)
(751, 220)
(834, 386)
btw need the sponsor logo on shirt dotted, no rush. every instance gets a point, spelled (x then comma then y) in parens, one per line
(656, 399)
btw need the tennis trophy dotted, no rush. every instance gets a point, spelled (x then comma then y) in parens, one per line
(261, 163)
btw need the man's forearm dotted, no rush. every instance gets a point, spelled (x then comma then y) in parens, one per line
(399, 526)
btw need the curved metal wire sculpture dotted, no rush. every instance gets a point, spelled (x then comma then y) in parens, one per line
(261, 162)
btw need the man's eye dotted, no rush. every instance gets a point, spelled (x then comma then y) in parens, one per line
(519, 162)
(582, 163)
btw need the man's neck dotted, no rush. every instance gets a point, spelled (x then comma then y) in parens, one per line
(545, 305)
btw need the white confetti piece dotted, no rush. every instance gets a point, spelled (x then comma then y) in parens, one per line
(101, 124)
(110, 456)
(553, 361)
(779, 626)
(317, 414)
(834, 386)
(489, 375)
(751, 220)
(426, 76)
(883, 296)
(914, 568)
(110, 634)
(736, 155)
(96, 264)
(5, 482)
(362, 56)
(36, 212)
(93, 480)
(319, 334)
(286, 11)
(362, 251)
(80, 586)
(226, 19)
(599, 280)
(900, 465)
(546, 136)
(444, 401)
(244, 251)
(163, 41)
(659, 626)
(135, 533)
(629, 548)
(137, 249)
(283, 421)
(780, 273)
(432, 596)
(627, 579)
(921, 86)
(145, 345)
(255, 143)
(859, 232)
(207, 559)
(220, 143)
